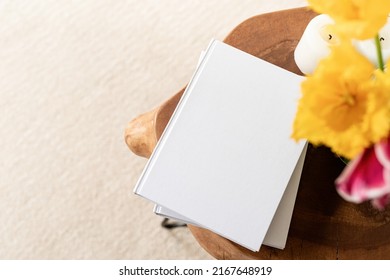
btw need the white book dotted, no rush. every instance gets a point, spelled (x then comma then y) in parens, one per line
(277, 232)
(226, 156)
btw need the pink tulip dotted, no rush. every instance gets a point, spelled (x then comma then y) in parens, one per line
(367, 177)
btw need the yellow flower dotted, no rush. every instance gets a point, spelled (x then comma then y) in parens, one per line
(379, 108)
(344, 104)
(359, 19)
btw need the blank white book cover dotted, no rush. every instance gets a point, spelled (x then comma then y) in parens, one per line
(277, 232)
(226, 156)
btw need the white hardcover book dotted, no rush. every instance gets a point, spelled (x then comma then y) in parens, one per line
(226, 156)
(278, 230)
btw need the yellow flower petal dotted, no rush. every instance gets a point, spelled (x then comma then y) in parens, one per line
(359, 19)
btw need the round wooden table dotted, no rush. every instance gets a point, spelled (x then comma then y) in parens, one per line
(323, 225)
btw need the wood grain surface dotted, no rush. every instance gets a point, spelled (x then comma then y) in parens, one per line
(323, 226)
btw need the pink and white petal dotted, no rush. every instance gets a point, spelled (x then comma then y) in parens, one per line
(363, 179)
(381, 202)
(382, 150)
(342, 182)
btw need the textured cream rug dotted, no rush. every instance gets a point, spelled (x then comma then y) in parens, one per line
(72, 75)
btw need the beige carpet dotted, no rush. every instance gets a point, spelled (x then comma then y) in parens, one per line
(72, 74)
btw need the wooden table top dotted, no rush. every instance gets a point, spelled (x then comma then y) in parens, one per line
(323, 225)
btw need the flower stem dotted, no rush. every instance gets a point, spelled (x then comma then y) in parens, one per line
(379, 52)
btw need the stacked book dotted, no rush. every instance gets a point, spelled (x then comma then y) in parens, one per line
(225, 161)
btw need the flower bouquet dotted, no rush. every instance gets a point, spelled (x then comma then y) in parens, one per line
(345, 102)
